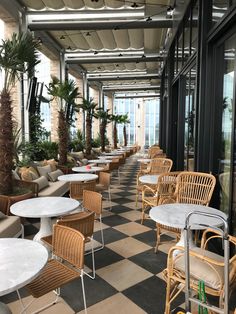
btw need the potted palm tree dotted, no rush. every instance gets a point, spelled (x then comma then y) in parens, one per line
(65, 94)
(88, 107)
(105, 118)
(124, 120)
(116, 118)
(18, 55)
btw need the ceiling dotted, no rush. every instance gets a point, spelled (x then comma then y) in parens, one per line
(118, 43)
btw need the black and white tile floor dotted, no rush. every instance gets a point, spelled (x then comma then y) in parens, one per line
(128, 272)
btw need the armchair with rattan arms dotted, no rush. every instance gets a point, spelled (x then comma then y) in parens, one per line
(165, 188)
(104, 184)
(77, 188)
(191, 188)
(84, 223)
(204, 265)
(67, 245)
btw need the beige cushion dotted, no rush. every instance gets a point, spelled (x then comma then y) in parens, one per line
(52, 163)
(10, 226)
(2, 216)
(44, 170)
(34, 173)
(54, 175)
(211, 274)
(42, 182)
(58, 188)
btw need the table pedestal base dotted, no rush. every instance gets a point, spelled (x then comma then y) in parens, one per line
(181, 242)
(45, 229)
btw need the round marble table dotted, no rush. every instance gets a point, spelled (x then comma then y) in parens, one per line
(84, 169)
(149, 179)
(21, 262)
(79, 177)
(100, 161)
(174, 215)
(44, 208)
(107, 157)
(144, 160)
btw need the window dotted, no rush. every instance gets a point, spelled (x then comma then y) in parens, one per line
(151, 121)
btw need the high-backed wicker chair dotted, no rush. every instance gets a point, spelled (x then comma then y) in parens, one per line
(191, 188)
(204, 265)
(67, 245)
(104, 184)
(84, 223)
(160, 165)
(92, 201)
(77, 188)
(164, 189)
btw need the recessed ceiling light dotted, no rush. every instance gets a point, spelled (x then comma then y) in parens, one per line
(134, 5)
(88, 34)
(69, 48)
(62, 37)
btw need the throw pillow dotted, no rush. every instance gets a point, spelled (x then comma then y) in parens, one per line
(42, 182)
(53, 164)
(26, 175)
(43, 171)
(53, 176)
(33, 173)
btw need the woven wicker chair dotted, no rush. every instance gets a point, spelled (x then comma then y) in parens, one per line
(67, 245)
(151, 197)
(204, 265)
(84, 223)
(191, 188)
(104, 184)
(160, 165)
(92, 202)
(77, 188)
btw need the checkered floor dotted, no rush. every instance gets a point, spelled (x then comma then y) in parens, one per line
(128, 272)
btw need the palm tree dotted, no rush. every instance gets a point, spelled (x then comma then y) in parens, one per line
(105, 118)
(116, 119)
(124, 120)
(65, 93)
(17, 55)
(88, 107)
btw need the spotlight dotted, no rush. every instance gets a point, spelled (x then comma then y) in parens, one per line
(88, 34)
(169, 12)
(69, 48)
(116, 28)
(134, 5)
(120, 55)
(149, 19)
(95, 52)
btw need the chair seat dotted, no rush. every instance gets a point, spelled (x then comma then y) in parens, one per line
(151, 200)
(53, 276)
(177, 230)
(200, 269)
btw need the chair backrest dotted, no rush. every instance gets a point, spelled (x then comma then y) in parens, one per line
(160, 165)
(82, 223)
(92, 201)
(77, 188)
(195, 187)
(4, 204)
(68, 244)
(166, 186)
(105, 179)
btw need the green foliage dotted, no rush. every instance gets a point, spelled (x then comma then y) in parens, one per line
(39, 151)
(96, 142)
(88, 106)
(78, 143)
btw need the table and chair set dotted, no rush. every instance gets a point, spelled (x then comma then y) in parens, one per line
(27, 263)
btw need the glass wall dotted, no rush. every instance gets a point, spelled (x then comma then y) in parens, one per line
(152, 115)
(127, 106)
(1, 37)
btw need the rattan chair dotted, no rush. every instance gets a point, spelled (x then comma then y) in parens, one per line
(77, 188)
(92, 202)
(84, 223)
(160, 165)
(67, 245)
(191, 188)
(104, 184)
(204, 265)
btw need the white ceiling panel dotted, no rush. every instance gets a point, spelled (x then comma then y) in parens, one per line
(32, 4)
(122, 38)
(136, 38)
(107, 39)
(114, 3)
(152, 40)
(152, 65)
(56, 5)
(74, 4)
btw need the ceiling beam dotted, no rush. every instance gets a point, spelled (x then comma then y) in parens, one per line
(115, 77)
(130, 88)
(137, 96)
(74, 24)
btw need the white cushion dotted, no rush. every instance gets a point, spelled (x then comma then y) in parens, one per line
(58, 188)
(42, 182)
(53, 176)
(44, 170)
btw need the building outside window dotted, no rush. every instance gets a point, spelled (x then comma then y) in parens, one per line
(152, 112)
(42, 72)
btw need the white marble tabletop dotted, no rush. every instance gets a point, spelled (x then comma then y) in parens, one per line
(86, 169)
(174, 215)
(114, 153)
(79, 177)
(144, 160)
(106, 157)
(44, 207)
(149, 179)
(21, 262)
(100, 161)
